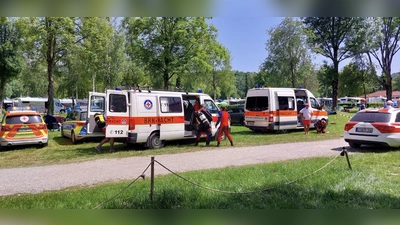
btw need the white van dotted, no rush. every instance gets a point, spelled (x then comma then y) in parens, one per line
(277, 109)
(148, 117)
(40, 104)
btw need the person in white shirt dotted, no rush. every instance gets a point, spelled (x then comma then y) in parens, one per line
(389, 104)
(306, 114)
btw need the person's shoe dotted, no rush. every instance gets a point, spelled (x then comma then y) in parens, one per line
(112, 150)
(197, 143)
(231, 143)
(98, 149)
(207, 144)
(218, 144)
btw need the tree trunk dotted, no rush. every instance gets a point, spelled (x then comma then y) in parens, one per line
(51, 54)
(166, 79)
(335, 82)
(388, 85)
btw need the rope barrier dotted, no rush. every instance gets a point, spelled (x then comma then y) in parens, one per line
(114, 196)
(343, 153)
(232, 192)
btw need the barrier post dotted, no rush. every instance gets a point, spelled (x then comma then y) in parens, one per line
(152, 180)
(344, 153)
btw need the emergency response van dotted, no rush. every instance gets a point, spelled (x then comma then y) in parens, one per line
(148, 117)
(277, 109)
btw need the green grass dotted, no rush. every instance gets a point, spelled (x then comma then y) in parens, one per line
(61, 150)
(372, 183)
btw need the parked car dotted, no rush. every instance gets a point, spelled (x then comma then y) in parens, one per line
(23, 126)
(237, 115)
(374, 127)
(74, 127)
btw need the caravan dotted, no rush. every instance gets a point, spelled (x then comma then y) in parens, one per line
(40, 104)
(277, 109)
(148, 117)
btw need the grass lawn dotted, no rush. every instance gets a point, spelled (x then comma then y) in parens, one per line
(61, 150)
(371, 184)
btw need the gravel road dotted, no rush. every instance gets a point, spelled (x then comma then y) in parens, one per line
(55, 177)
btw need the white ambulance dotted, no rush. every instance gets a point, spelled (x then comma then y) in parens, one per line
(148, 117)
(277, 109)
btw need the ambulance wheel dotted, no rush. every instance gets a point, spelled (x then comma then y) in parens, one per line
(73, 138)
(155, 142)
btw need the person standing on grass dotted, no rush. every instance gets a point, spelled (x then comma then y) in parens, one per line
(224, 119)
(204, 119)
(306, 114)
(111, 140)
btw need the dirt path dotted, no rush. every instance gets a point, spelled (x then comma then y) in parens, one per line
(56, 177)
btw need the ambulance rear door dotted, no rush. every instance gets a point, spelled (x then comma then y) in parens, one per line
(117, 114)
(171, 117)
(96, 104)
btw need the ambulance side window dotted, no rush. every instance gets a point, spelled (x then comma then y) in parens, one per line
(171, 104)
(212, 108)
(286, 103)
(118, 103)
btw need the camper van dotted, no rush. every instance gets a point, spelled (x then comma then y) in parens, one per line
(277, 109)
(40, 104)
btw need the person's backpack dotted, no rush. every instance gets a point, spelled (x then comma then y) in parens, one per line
(203, 119)
(99, 119)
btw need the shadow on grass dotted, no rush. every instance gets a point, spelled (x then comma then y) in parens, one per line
(283, 196)
(367, 149)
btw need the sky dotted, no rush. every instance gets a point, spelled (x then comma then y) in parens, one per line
(245, 38)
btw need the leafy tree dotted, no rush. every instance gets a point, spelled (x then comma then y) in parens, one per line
(325, 75)
(10, 57)
(49, 38)
(169, 49)
(332, 37)
(289, 60)
(95, 62)
(384, 46)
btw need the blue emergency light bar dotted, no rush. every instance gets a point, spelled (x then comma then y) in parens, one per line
(21, 108)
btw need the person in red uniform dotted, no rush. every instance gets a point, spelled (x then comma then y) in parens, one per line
(224, 119)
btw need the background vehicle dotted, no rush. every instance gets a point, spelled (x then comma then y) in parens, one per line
(74, 126)
(40, 104)
(237, 115)
(277, 109)
(23, 126)
(373, 127)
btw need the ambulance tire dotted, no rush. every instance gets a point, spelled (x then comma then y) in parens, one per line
(154, 141)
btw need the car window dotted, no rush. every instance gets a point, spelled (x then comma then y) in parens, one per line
(22, 119)
(83, 116)
(212, 108)
(398, 117)
(371, 117)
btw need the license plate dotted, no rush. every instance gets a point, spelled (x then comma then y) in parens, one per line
(24, 130)
(364, 129)
(251, 123)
